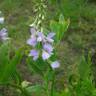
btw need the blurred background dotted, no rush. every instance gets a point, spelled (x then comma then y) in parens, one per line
(80, 36)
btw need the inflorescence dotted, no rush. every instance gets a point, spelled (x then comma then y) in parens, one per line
(42, 46)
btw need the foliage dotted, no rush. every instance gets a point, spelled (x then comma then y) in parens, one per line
(8, 64)
(81, 84)
(44, 68)
(79, 12)
(59, 27)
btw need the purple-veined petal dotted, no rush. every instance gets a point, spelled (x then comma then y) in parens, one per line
(45, 55)
(48, 47)
(34, 54)
(32, 41)
(55, 64)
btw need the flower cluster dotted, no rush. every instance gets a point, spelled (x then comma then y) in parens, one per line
(38, 38)
(3, 34)
(45, 43)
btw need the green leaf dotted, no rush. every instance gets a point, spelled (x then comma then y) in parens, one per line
(59, 27)
(13, 65)
(61, 19)
(84, 68)
(4, 59)
(33, 66)
(9, 65)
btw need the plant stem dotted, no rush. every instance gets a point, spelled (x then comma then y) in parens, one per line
(52, 85)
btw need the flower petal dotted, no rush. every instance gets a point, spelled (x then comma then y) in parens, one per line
(40, 36)
(34, 54)
(49, 40)
(32, 41)
(55, 64)
(48, 47)
(51, 35)
(45, 55)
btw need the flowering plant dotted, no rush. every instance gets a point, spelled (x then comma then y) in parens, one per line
(42, 58)
(42, 46)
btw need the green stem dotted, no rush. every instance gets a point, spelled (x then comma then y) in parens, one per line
(46, 85)
(51, 91)
(52, 85)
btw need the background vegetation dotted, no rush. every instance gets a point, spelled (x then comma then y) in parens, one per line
(80, 36)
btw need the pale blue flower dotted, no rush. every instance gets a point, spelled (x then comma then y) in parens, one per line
(55, 65)
(34, 54)
(48, 47)
(46, 41)
(45, 55)
(32, 41)
(40, 36)
(50, 37)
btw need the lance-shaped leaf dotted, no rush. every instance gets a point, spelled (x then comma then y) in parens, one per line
(8, 65)
(59, 27)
